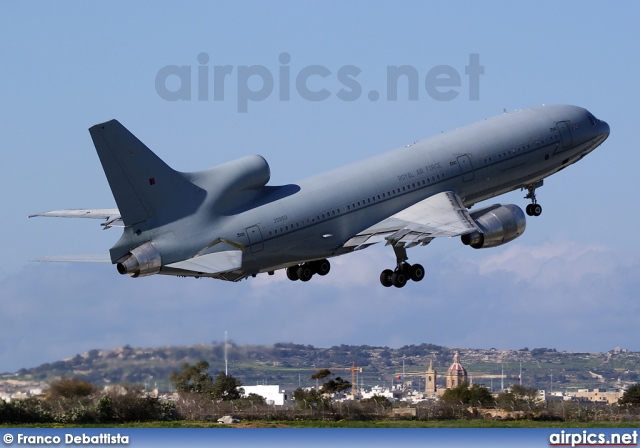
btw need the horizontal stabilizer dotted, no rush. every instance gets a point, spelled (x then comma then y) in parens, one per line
(110, 215)
(213, 263)
(92, 258)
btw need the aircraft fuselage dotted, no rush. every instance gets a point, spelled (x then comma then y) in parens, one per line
(477, 162)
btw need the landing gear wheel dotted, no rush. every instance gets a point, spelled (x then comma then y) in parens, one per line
(385, 278)
(399, 279)
(292, 273)
(321, 267)
(417, 272)
(534, 210)
(305, 272)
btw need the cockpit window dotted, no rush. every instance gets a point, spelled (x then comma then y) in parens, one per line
(594, 121)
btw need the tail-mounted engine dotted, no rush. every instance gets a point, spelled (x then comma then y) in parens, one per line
(141, 261)
(498, 223)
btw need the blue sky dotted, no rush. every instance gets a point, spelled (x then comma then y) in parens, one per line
(570, 282)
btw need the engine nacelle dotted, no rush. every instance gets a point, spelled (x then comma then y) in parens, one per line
(141, 261)
(499, 225)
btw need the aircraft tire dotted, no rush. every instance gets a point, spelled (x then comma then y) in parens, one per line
(399, 279)
(292, 273)
(305, 272)
(536, 209)
(321, 267)
(417, 272)
(385, 278)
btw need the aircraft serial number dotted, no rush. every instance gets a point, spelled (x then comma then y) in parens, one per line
(280, 219)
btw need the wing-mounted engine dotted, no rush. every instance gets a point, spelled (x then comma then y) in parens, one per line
(141, 261)
(499, 224)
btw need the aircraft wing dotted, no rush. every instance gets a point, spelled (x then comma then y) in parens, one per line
(110, 215)
(441, 215)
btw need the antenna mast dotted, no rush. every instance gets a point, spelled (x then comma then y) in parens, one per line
(226, 373)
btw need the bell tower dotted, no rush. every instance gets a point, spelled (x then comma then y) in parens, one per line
(430, 377)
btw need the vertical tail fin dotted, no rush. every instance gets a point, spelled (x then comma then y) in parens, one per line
(142, 184)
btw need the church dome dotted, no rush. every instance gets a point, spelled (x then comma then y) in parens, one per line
(457, 368)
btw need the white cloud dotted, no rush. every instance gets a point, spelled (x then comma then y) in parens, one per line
(563, 294)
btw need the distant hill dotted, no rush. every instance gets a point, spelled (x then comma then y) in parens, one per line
(291, 365)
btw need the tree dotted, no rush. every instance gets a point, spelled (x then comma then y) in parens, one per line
(69, 388)
(227, 387)
(517, 397)
(378, 400)
(311, 399)
(463, 394)
(332, 386)
(335, 386)
(631, 396)
(250, 401)
(193, 379)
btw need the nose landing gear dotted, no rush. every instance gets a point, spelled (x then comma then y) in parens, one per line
(533, 209)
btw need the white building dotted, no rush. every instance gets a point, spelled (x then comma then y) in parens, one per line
(377, 390)
(271, 394)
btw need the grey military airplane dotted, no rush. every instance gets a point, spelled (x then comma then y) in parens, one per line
(227, 223)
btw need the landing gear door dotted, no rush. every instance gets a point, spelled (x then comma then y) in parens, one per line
(255, 239)
(464, 162)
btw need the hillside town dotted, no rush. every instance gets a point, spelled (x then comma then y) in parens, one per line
(408, 387)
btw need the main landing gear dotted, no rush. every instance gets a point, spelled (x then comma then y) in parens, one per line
(305, 271)
(533, 209)
(403, 272)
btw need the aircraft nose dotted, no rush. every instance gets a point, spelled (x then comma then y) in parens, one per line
(604, 128)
